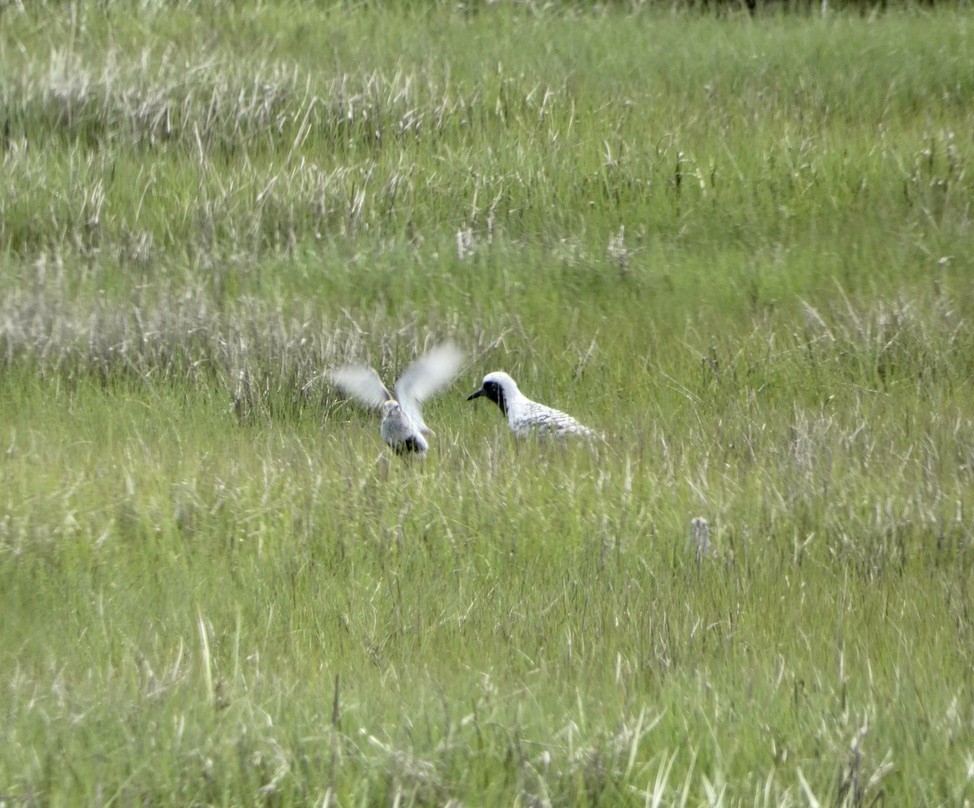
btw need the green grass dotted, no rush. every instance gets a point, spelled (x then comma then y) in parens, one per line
(738, 246)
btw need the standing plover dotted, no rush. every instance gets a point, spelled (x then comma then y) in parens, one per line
(403, 427)
(525, 416)
(700, 537)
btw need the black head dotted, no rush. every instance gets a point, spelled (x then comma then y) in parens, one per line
(492, 390)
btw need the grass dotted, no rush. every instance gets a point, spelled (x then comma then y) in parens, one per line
(739, 246)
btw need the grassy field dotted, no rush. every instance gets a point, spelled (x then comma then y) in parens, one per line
(738, 246)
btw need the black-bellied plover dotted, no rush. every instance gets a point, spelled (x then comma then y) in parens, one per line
(700, 537)
(403, 427)
(524, 416)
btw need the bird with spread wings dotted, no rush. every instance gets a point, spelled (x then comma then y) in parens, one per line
(402, 427)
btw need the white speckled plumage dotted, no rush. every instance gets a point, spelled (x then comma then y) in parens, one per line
(403, 427)
(524, 416)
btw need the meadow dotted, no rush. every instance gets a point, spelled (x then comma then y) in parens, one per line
(739, 246)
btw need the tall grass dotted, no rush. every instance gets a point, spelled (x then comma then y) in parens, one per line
(736, 245)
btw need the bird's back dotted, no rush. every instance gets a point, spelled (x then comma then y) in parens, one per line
(527, 416)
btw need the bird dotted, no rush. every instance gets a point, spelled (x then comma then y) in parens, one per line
(700, 537)
(524, 416)
(402, 426)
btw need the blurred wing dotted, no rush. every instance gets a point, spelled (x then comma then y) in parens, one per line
(361, 383)
(427, 375)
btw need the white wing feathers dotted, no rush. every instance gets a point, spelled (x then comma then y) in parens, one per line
(361, 383)
(426, 376)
